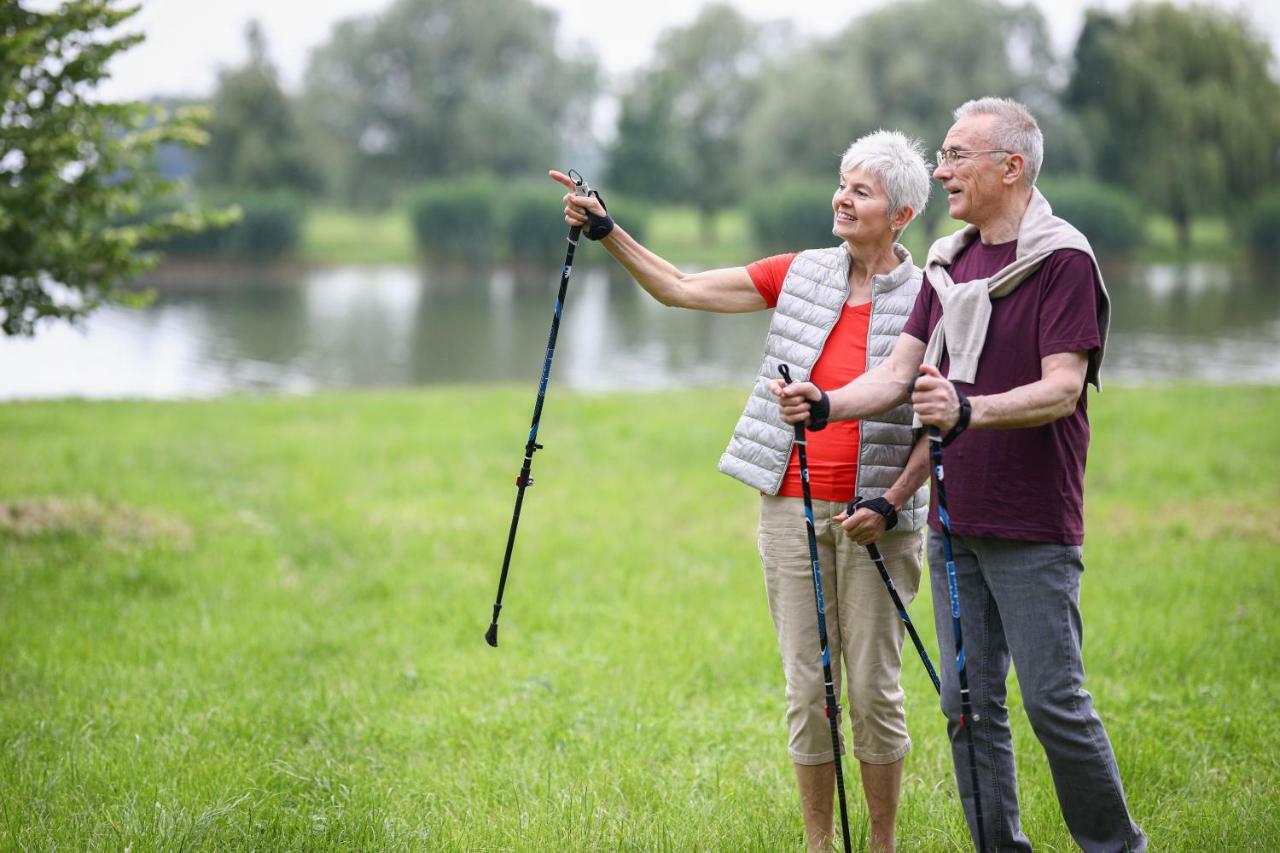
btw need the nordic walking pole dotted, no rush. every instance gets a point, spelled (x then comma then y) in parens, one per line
(897, 601)
(966, 710)
(523, 480)
(833, 708)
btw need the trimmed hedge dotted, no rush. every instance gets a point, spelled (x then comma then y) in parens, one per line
(532, 221)
(481, 219)
(792, 216)
(456, 219)
(1262, 223)
(270, 226)
(1111, 218)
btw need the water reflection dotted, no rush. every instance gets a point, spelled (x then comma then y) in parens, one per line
(1216, 322)
(210, 332)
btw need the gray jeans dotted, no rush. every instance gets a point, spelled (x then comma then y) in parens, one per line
(1021, 601)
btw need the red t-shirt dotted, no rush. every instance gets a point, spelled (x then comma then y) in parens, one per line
(832, 452)
(1025, 484)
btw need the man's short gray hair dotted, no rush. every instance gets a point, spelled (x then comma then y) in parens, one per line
(1014, 129)
(898, 162)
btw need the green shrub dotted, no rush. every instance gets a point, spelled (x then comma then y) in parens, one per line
(792, 216)
(457, 219)
(532, 221)
(1262, 223)
(269, 225)
(1111, 218)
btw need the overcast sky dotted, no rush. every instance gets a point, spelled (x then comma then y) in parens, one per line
(189, 40)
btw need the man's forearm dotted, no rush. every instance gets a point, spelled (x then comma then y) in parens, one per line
(1027, 406)
(1044, 401)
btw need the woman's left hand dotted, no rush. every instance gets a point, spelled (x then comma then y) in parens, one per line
(864, 527)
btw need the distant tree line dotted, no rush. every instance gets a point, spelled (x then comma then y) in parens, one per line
(1179, 108)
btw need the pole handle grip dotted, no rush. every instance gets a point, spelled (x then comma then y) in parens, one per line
(580, 185)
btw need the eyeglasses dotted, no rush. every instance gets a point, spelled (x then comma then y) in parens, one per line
(949, 156)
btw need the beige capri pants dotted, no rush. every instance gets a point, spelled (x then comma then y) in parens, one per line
(863, 628)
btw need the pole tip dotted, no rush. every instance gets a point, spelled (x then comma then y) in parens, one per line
(491, 636)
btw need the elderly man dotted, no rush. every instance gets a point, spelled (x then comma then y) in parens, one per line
(1009, 327)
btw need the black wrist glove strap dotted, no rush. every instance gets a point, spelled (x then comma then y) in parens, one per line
(598, 227)
(878, 505)
(819, 412)
(962, 423)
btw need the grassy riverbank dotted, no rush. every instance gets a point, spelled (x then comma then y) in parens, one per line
(257, 624)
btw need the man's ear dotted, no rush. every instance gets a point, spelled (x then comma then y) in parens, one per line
(1015, 167)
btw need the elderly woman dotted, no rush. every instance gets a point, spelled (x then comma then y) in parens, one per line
(837, 313)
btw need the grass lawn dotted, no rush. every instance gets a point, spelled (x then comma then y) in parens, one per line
(258, 624)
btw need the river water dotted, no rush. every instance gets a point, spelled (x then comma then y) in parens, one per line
(216, 330)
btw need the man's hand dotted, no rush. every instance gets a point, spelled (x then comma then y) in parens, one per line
(864, 527)
(576, 206)
(935, 399)
(795, 399)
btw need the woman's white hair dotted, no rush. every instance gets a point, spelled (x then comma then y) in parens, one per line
(1014, 129)
(898, 161)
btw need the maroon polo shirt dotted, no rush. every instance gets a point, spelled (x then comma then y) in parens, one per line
(1025, 484)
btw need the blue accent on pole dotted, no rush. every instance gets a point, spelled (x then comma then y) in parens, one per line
(966, 711)
(955, 594)
(546, 374)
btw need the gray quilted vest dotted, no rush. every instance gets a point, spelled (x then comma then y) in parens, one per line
(813, 294)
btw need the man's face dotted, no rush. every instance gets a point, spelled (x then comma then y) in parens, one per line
(973, 184)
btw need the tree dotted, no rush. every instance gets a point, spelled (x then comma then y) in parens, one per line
(812, 105)
(1181, 106)
(886, 70)
(71, 166)
(648, 158)
(254, 139)
(437, 88)
(680, 128)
